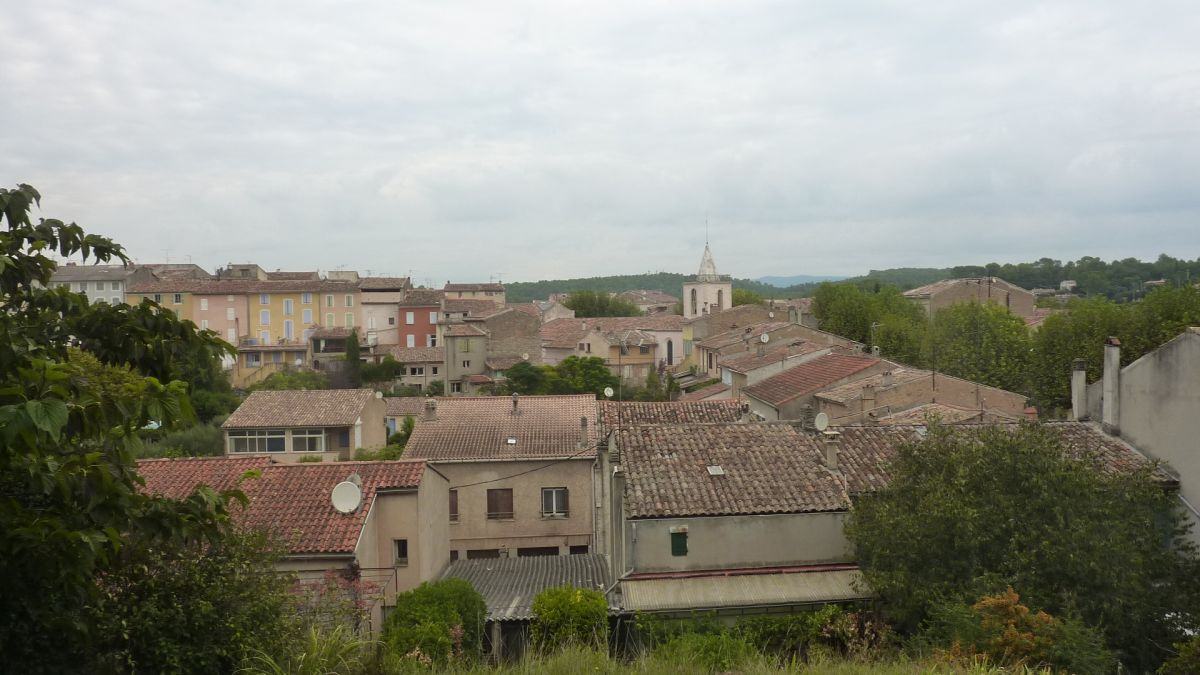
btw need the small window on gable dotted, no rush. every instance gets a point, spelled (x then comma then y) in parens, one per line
(679, 543)
(400, 548)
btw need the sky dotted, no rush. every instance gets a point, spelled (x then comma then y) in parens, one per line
(469, 141)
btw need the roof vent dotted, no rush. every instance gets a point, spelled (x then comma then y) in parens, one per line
(715, 470)
(512, 440)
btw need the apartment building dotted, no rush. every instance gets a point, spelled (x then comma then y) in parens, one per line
(419, 314)
(381, 315)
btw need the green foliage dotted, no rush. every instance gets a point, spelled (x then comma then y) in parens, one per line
(310, 459)
(436, 388)
(654, 389)
(201, 440)
(440, 621)
(882, 317)
(586, 375)
(203, 609)
(787, 635)
(591, 303)
(400, 438)
(387, 370)
(745, 296)
(980, 342)
(354, 364)
(569, 615)
(72, 513)
(1006, 632)
(1186, 661)
(292, 379)
(972, 511)
(715, 652)
(323, 651)
(387, 452)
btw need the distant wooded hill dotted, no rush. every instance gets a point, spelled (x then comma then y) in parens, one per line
(1119, 279)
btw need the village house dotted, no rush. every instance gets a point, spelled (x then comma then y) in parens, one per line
(699, 328)
(422, 365)
(713, 350)
(490, 291)
(651, 302)
(738, 371)
(418, 315)
(947, 292)
(660, 334)
(397, 408)
(291, 424)
(465, 346)
(520, 472)
(380, 299)
(391, 534)
(789, 395)
(545, 310)
(878, 398)
(1154, 404)
(108, 283)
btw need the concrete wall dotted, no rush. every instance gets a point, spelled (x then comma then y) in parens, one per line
(474, 531)
(719, 542)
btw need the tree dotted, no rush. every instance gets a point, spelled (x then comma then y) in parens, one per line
(526, 378)
(982, 343)
(292, 379)
(969, 512)
(591, 303)
(743, 296)
(1063, 338)
(387, 370)
(353, 361)
(71, 502)
(569, 616)
(586, 375)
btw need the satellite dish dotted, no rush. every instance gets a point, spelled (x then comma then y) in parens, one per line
(525, 356)
(770, 315)
(608, 392)
(764, 338)
(821, 421)
(299, 362)
(379, 394)
(346, 497)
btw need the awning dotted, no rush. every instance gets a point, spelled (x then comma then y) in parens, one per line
(720, 591)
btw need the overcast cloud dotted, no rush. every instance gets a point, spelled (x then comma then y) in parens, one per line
(460, 140)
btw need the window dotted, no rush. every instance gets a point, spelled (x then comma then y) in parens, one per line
(204, 303)
(276, 357)
(99, 285)
(433, 370)
(643, 349)
(177, 299)
(416, 370)
(679, 543)
(306, 317)
(554, 502)
(229, 314)
(371, 322)
(306, 298)
(203, 324)
(116, 285)
(536, 551)
(400, 551)
(466, 364)
(264, 336)
(158, 298)
(454, 506)
(229, 298)
(329, 320)
(344, 438)
(431, 340)
(433, 317)
(391, 321)
(329, 301)
(466, 345)
(500, 504)
(264, 299)
(410, 341)
(349, 319)
(410, 318)
(308, 440)
(253, 359)
(289, 307)
(456, 387)
(453, 556)
(349, 300)
(288, 331)
(579, 550)
(257, 440)
(479, 553)
(230, 335)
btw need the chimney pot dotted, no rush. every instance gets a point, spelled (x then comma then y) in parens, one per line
(1110, 406)
(831, 446)
(888, 378)
(514, 402)
(430, 409)
(583, 432)
(875, 351)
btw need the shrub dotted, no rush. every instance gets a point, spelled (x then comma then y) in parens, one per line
(1006, 632)
(322, 651)
(715, 652)
(1186, 661)
(201, 440)
(437, 622)
(569, 616)
(385, 453)
(310, 459)
(788, 635)
(293, 379)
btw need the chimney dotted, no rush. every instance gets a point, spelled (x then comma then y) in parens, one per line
(430, 410)
(1079, 390)
(583, 432)
(745, 411)
(868, 397)
(888, 379)
(875, 351)
(1111, 404)
(762, 349)
(831, 447)
(514, 401)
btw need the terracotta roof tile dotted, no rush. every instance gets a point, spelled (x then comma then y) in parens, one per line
(944, 412)
(737, 335)
(705, 392)
(479, 428)
(473, 307)
(808, 377)
(382, 283)
(765, 468)
(290, 500)
(566, 333)
(852, 391)
(479, 378)
(404, 406)
(293, 276)
(746, 363)
(299, 408)
(462, 330)
(417, 354)
(502, 362)
(422, 297)
(634, 413)
(241, 286)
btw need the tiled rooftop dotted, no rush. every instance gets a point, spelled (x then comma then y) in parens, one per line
(509, 585)
(566, 333)
(747, 363)
(404, 406)
(422, 297)
(92, 272)
(634, 413)
(502, 362)
(382, 283)
(704, 392)
(462, 330)
(299, 408)
(764, 468)
(853, 390)
(737, 335)
(808, 377)
(290, 500)
(474, 307)
(939, 286)
(944, 412)
(417, 354)
(479, 427)
(241, 286)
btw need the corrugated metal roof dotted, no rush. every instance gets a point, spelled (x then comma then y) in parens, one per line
(743, 590)
(509, 585)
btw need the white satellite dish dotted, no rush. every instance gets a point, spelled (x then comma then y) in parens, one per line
(770, 315)
(764, 338)
(821, 421)
(346, 497)
(608, 392)
(525, 356)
